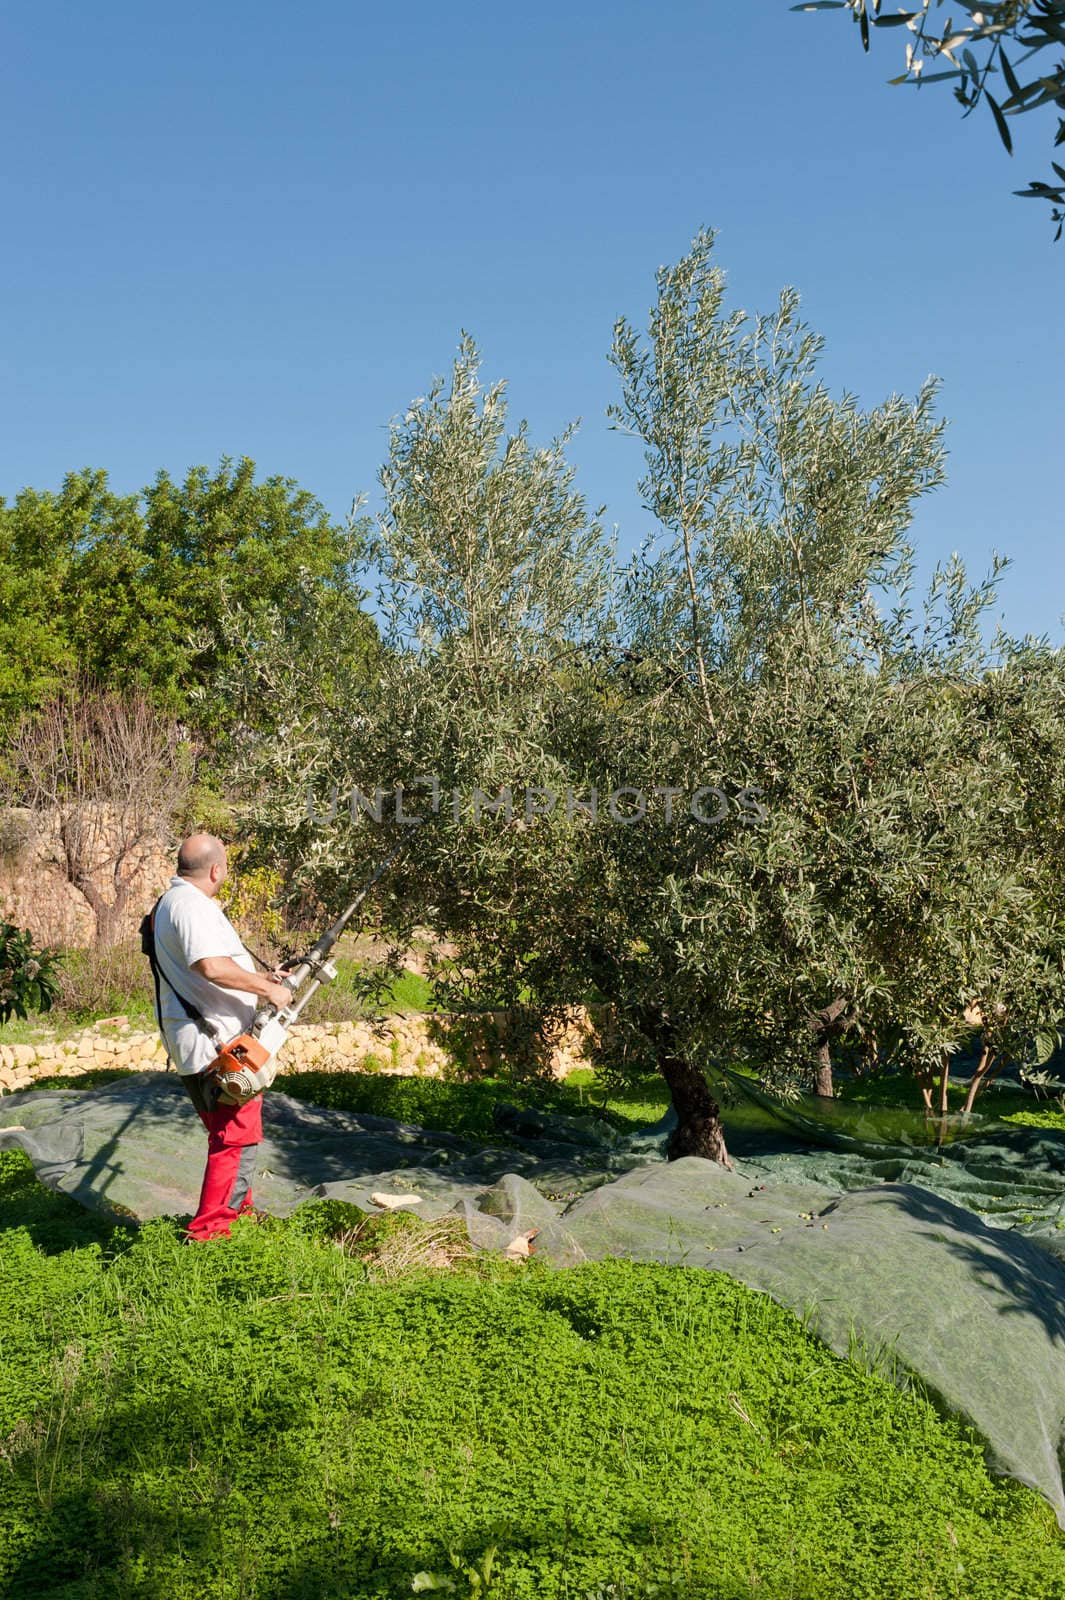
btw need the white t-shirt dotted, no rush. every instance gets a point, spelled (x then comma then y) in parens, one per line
(190, 925)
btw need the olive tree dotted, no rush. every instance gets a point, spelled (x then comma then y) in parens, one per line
(782, 514)
(492, 578)
(902, 873)
(898, 902)
(522, 673)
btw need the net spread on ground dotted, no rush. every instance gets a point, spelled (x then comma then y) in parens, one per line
(942, 1261)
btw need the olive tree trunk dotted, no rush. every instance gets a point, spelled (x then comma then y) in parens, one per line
(698, 1131)
(825, 1025)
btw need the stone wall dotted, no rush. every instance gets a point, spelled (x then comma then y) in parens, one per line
(417, 1044)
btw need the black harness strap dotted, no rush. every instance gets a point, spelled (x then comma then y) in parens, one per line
(147, 932)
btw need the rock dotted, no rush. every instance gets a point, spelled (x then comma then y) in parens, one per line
(393, 1202)
(24, 1055)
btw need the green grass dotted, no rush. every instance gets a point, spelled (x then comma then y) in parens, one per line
(411, 992)
(31, 1030)
(454, 1106)
(466, 1107)
(647, 1099)
(644, 1100)
(1004, 1101)
(268, 1419)
(61, 1024)
(457, 1107)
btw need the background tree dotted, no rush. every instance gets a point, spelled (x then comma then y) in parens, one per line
(41, 535)
(216, 541)
(109, 773)
(976, 50)
(134, 590)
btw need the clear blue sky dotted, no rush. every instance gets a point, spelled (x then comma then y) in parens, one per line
(259, 228)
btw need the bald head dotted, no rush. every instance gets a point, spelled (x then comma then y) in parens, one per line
(202, 859)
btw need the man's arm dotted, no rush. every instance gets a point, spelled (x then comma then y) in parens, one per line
(224, 971)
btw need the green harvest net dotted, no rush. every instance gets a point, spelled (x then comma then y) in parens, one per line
(945, 1261)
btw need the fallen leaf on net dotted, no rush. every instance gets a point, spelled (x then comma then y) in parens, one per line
(521, 1245)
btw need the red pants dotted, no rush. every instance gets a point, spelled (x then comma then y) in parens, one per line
(233, 1134)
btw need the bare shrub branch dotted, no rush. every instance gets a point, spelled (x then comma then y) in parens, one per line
(109, 773)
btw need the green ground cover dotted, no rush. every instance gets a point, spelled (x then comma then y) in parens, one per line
(456, 1106)
(646, 1100)
(120, 985)
(466, 1107)
(61, 1023)
(1003, 1100)
(278, 1417)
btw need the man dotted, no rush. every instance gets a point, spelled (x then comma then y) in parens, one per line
(208, 993)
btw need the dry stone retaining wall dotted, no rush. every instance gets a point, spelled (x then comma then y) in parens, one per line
(417, 1044)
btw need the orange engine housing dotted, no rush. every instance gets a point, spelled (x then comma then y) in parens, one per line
(244, 1053)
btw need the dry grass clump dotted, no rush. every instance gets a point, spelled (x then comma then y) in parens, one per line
(101, 981)
(397, 1243)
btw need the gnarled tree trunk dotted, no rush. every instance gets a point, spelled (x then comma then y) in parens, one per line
(825, 1025)
(823, 1076)
(698, 1131)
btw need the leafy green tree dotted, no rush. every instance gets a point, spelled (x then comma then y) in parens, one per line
(782, 509)
(134, 591)
(493, 578)
(905, 863)
(981, 932)
(219, 542)
(509, 669)
(976, 52)
(899, 896)
(42, 537)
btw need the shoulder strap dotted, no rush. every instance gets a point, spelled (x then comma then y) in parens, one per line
(159, 976)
